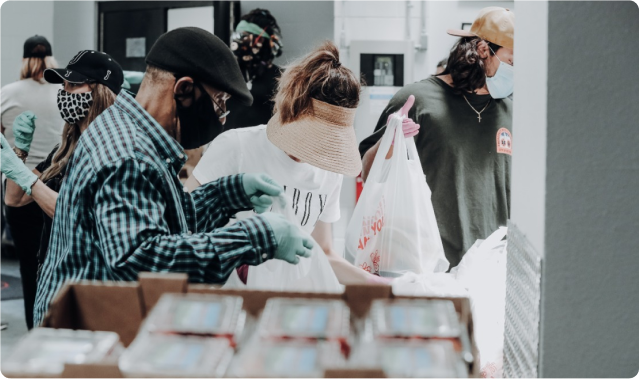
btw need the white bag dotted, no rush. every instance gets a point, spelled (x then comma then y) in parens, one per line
(483, 271)
(393, 229)
(438, 284)
(312, 274)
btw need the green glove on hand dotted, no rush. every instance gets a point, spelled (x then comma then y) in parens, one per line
(13, 167)
(23, 127)
(260, 188)
(133, 77)
(292, 243)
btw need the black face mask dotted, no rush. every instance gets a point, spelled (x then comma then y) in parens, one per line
(199, 123)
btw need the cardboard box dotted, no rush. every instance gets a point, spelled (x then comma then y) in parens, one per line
(122, 306)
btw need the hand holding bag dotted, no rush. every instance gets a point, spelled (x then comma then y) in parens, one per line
(312, 274)
(393, 229)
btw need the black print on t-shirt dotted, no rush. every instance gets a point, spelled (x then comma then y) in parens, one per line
(309, 203)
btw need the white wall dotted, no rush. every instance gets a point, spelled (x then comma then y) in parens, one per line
(385, 20)
(590, 272)
(530, 122)
(75, 28)
(201, 17)
(20, 20)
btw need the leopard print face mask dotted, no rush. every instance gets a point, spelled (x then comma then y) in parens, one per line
(74, 106)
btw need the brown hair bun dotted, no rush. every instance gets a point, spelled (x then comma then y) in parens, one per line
(318, 75)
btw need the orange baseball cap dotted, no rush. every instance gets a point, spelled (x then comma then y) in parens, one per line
(493, 24)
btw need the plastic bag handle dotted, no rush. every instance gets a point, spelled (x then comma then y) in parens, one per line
(383, 149)
(405, 148)
(495, 237)
(394, 130)
(280, 205)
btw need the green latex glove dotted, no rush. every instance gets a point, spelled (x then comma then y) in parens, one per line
(292, 243)
(23, 127)
(261, 188)
(133, 77)
(13, 167)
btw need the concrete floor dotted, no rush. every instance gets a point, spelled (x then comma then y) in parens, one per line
(11, 313)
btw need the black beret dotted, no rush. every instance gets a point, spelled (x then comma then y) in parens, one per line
(197, 53)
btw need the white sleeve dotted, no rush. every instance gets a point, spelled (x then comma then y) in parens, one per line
(222, 158)
(331, 211)
(3, 103)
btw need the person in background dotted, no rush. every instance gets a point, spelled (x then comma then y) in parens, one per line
(85, 94)
(256, 43)
(464, 141)
(122, 210)
(30, 93)
(308, 145)
(441, 66)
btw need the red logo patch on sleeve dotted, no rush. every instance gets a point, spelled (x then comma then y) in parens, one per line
(503, 141)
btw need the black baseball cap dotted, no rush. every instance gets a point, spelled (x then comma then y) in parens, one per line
(32, 42)
(89, 66)
(197, 53)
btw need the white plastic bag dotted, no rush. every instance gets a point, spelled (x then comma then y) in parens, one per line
(438, 284)
(393, 229)
(483, 272)
(312, 274)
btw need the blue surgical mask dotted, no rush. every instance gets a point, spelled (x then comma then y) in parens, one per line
(500, 85)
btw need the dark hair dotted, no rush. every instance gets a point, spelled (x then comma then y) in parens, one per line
(465, 65)
(263, 19)
(442, 63)
(34, 66)
(318, 75)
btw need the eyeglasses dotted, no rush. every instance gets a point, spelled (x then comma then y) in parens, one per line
(225, 97)
(223, 115)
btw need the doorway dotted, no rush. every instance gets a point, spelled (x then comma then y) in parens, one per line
(128, 29)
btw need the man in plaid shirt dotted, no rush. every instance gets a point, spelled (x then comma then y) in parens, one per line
(122, 209)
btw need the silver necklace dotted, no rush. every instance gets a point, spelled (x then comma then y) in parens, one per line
(478, 113)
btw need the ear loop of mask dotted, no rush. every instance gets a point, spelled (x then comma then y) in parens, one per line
(496, 55)
(225, 114)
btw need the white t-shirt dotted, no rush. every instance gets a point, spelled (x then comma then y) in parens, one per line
(41, 99)
(314, 193)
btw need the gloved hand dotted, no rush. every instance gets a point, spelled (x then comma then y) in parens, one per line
(409, 127)
(133, 77)
(260, 188)
(23, 127)
(292, 243)
(13, 167)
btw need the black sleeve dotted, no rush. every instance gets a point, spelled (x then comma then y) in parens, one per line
(394, 105)
(45, 164)
(368, 142)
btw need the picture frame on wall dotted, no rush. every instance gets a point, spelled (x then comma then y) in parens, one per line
(466, 26)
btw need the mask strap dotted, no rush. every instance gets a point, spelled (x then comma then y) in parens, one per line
(225, 114)
(205, 93)
(494, 53)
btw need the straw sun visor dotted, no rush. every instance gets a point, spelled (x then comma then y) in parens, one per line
(324, 138)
